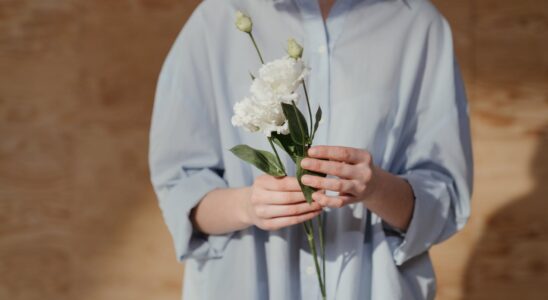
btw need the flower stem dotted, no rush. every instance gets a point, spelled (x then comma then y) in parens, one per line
(322, 245)
(256, 48)
(309, 112)
(309, 230)
(301, 128)
(277, 156)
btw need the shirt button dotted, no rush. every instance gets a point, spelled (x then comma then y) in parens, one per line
(310, 270)
(322, 49)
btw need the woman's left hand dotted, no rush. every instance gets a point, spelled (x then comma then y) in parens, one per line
(353, 167)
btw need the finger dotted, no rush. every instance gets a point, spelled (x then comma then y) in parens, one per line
(331, 184)
(286, 184)
(276, 211)
(281, 222)
(330, 167)
(339, 153)
(275, 197)
(332, 201)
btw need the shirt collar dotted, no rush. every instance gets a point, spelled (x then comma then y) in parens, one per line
(407, 2)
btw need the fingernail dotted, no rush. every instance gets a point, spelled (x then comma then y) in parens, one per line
(305, 163)
(305, 179)
(312, 151)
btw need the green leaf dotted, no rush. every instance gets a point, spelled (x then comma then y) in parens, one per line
(317, 121)
(286, 142)
(307, 190)
(263, 160)
(297, 123)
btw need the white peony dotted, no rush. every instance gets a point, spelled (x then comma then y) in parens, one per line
(283, 75)
(276, 84)
(254, 115)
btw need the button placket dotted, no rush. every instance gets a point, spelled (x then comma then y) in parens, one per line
(318, 45)
(322, 49)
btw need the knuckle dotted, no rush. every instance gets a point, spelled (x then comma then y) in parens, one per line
(338, 185)
(299, 196)
(260, 211)
(346, 154)
(312, 164)
(367, 157)
(291, 197)
(320, 150)
(360, 188)
(368, 174)
(275, 226)
(254, 199)
(347, 185)
(293, 210)
(338, 203)
(283, 184)
(294, 184)
(361, 175)
(261, 179)
(323, 200)
(262, 224)
(318, 164)
(269, 225)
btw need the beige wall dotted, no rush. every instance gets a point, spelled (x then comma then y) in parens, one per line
(78, 219)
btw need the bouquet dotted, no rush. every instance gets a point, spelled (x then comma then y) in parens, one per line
(271, 108)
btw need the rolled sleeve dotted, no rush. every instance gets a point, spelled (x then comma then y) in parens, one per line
(433, 217)
(176, 206)
(185, 155)
(436, 155)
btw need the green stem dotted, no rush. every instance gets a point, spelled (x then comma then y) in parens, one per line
(309, 230)
(309, 111)
(322, 245)
(256, 48)
(277, 156)
(303, 129)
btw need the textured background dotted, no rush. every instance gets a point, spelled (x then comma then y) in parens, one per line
(78, 218)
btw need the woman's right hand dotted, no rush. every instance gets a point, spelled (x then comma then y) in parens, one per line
(277, 202)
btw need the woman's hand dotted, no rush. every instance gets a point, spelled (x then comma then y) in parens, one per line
(353, 167)
(274, 203)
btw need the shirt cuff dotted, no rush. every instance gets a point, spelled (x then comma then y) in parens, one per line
(176, 207)
(432, 217)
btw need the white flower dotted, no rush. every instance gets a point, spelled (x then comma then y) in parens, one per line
(255, 116)
(244, 115)
(276, 84)
(283, 75)
(243, 22)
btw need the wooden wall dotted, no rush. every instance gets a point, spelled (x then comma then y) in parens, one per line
(78, 219)
(501, 254)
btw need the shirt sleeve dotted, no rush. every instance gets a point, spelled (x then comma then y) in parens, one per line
(184, 152)
(435, 155)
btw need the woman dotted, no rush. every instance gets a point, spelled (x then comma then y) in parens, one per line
(396, 148)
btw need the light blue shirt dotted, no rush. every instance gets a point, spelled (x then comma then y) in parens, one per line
(386, 78)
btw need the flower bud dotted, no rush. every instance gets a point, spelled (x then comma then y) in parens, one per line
(294, 49)
(243, 22)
